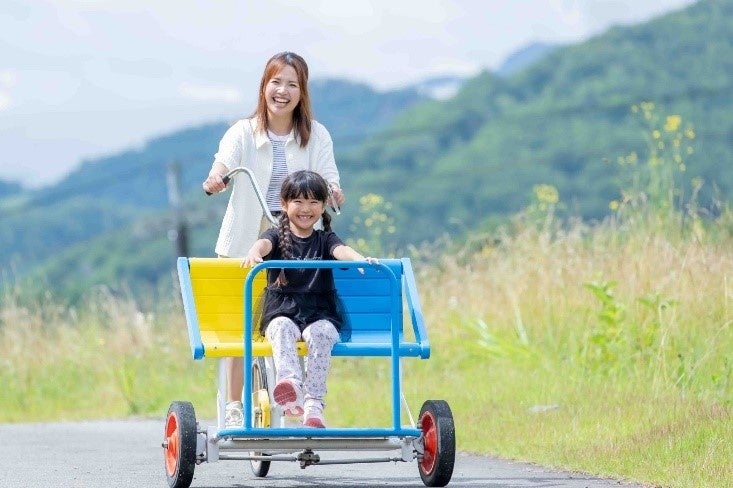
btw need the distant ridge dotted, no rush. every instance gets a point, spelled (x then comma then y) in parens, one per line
(8, 188)
(525, 57)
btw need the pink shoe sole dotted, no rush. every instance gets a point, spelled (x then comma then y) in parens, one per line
(286, 395)
(314, 422)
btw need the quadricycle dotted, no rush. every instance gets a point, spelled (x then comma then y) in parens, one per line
(220, 304)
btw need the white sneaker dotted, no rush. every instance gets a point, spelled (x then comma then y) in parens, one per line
(234, 418)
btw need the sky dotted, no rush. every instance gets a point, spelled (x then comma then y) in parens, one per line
(84, 79)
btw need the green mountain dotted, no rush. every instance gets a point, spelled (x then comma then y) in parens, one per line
(447, 166)
(525, 57)
(8, 188)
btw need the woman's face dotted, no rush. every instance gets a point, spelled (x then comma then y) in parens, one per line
(282, 93)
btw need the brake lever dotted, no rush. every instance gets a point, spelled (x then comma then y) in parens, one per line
(334, 206)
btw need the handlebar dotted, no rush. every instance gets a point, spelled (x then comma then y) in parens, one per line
(227, 178)
(334, 205)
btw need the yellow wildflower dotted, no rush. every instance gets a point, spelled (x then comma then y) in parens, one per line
(546, 193)
(673, 123)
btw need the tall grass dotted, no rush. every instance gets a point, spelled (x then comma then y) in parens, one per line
(108, 357)
(588, 351)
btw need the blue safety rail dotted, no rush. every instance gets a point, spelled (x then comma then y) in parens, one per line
(395, 309)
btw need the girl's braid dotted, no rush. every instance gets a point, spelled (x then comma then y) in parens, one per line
(285, 244)
(326, 221)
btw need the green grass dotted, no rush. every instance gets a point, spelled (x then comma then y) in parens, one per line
(107, 359)
(634, 371)
(599, 349)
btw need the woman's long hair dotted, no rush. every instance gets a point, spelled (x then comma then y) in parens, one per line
(299, 184)
(303, 113)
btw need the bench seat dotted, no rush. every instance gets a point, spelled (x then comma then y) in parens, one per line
(375, 299)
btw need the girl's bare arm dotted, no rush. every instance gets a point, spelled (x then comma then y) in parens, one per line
(260, 248)
(347, 253)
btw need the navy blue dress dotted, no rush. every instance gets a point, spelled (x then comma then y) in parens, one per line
(309, 294)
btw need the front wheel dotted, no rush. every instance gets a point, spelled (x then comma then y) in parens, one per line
(179, 444)
(439, 442)
(260, 410)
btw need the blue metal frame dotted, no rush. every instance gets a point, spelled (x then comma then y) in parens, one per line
(189, 308)
(413, 303)
(396, 306)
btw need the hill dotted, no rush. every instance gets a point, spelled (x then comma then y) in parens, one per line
(524, 57)
(447, 166)
(8, 188)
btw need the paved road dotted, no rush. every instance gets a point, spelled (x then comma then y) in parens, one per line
(128, 454)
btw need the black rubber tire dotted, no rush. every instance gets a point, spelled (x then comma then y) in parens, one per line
(439, 440)
(180, 444)
(259, 382)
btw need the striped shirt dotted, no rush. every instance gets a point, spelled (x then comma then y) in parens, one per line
(279, 171)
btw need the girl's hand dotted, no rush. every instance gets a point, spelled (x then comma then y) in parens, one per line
(250, 260)
(369, 260)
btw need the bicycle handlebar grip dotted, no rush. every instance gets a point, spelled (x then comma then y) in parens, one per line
(226, 179)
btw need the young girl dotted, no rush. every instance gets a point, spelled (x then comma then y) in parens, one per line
(301, 303)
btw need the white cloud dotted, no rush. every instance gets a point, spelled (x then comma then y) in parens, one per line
(568, 12)
(5, 101)
(210, 93)
(8, 80)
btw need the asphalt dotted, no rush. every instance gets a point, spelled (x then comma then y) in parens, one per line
(128, 453)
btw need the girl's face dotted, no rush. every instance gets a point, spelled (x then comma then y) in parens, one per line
(303, 213)
(282, 93)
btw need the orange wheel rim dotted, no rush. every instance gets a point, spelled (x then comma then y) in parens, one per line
(430, 439)
(172, 439)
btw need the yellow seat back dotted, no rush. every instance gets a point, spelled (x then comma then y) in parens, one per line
(218, 291)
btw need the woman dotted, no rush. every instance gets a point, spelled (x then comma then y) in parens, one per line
(280, 137)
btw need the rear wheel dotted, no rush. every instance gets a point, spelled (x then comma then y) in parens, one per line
(179, 444)
(439, 442)
(260, 410)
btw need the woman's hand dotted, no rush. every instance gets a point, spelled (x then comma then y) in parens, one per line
(338, 195)
(214, 183)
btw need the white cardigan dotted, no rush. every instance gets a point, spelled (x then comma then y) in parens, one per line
(244, 145)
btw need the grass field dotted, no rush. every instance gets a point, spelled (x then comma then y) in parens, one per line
(602, 348)
(597, 349)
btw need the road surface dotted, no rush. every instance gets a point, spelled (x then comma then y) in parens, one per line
(127, 453)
